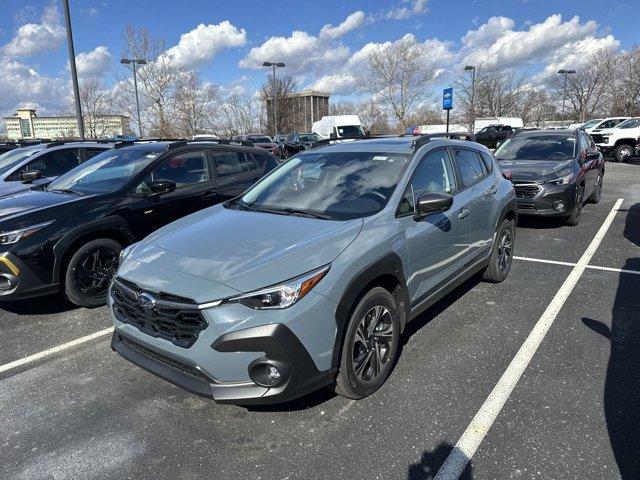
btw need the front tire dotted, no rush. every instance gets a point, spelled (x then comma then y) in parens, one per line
(575, 216)
(501, 253)
(89, 272)
(370, 345)
(623, 153)
(597, 193)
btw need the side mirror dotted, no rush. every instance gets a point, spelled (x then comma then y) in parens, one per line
(429, 203)
(162, 186)
(593, 155)
(30, 175)
(332, 135)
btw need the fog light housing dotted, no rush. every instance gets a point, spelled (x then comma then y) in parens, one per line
(559, 206)
(268, 375)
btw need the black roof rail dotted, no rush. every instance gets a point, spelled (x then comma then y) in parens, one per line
(426, 138)
(220, 141)
(329, 141)
(55, 143)
(125, 143)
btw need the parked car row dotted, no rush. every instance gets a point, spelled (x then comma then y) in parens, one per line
(249, 282)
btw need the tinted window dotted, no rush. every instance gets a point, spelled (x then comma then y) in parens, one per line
(488, 161)
(538, 147)
(506, 128)
(631, 123)
(10, 159)
(55, 163)
(232, 163)
(92, 152)
(434, 174)
(470, 166)
(183, 169)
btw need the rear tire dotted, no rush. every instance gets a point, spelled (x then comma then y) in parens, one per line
(597, 193)
(370, 345)
(89, 272)
(575, 216)
(501, 253)
(623, 153)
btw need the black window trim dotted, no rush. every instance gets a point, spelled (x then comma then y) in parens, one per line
(248, 157)
(413, 173)
(459, 176)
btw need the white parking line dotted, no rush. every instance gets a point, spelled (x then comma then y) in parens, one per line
(468, 443)
(45, 353)
(569, 264)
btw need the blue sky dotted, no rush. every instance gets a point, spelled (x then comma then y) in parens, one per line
(235, 36)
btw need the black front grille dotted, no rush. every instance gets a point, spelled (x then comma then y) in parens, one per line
(528, 190)
(598, 138)
(176, 319)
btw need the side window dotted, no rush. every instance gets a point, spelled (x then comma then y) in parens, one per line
(584, 142)
(92, 152)
(506, 128)
(54, 164)
(433, 174)
(471, 168)
(231, 163)
(488, 161)
(183, 169)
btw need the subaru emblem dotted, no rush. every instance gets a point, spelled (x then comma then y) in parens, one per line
(147, 301)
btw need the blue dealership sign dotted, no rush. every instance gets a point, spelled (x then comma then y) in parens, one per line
(447, 99)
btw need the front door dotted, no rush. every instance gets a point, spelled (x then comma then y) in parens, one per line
(437, 244)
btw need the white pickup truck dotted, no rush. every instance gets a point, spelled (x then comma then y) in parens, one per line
(622, 141)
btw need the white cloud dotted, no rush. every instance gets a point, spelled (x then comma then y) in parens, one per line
(353, 21)
(22, 85)
(35, 38)
(497, 42)
(406, 9)
(94, 64)
(204, 42)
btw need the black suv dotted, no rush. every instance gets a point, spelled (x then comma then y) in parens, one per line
(553, 172)
(297, 142)
(494, 135)
(67, 235)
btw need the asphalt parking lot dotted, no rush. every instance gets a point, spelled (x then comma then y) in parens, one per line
(84, 412)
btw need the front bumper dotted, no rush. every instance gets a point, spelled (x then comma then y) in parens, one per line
(18, 281)
(281, 348)
(543, 201)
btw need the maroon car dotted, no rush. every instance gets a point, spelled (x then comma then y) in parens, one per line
(261, 140)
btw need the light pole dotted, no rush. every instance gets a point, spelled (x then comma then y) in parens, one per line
(566, 73)
(472, 68)
(273, 92)
(74, 72)
(134, 61)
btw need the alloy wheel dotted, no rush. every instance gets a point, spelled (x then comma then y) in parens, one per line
(505, 250)
(95, 270)
(372, 344)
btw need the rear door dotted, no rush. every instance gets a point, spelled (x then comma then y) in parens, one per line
(235, 172)
(481, 186)
(92, 152)
(437, 244)
(195, 186)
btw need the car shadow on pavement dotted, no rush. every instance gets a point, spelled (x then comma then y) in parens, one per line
(622, 386)
(529, 221)
(48, 305)
(431, 461)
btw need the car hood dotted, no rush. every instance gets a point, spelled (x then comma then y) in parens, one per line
(535, 170)
(32, 201)
(246, 250)
(9, 188)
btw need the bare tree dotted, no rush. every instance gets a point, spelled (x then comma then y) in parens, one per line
(195, 105)
(97, 102)
(238, 114)
(625, 98)
(588, 91)
(279, 89)
(343, 107)
(400, 76)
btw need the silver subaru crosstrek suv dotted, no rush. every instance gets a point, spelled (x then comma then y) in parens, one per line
(309, 278)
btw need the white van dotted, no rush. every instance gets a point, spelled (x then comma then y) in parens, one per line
(513, 122)
(338, 126)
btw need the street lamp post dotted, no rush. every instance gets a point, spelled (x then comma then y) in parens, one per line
(472, 68)
(74, 72)
(134, 61)
(273, 92)
(566, 73)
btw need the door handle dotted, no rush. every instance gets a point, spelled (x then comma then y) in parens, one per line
(463, 213)
(493, 189)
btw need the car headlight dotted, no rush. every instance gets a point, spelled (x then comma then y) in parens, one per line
(14, 236)
(125, 252)
(567, 179)
(282, 295)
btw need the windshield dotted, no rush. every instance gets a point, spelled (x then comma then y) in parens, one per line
(10, 159)
(309, 137)
(631, 123)
(537, 147)
(331, 185)
(591, 123)
(263, 139)
(106, 172)
(350, 131)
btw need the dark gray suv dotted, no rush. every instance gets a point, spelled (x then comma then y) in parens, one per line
(309, 278)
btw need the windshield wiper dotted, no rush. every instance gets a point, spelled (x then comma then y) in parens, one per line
(298, 212)
(241, 204)
(65, 190)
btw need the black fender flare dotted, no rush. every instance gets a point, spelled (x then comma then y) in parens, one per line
(113, 223)
(510, 206)
(390, 264)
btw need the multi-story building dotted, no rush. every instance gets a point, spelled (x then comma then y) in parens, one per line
(26, 124)
(300, 110)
